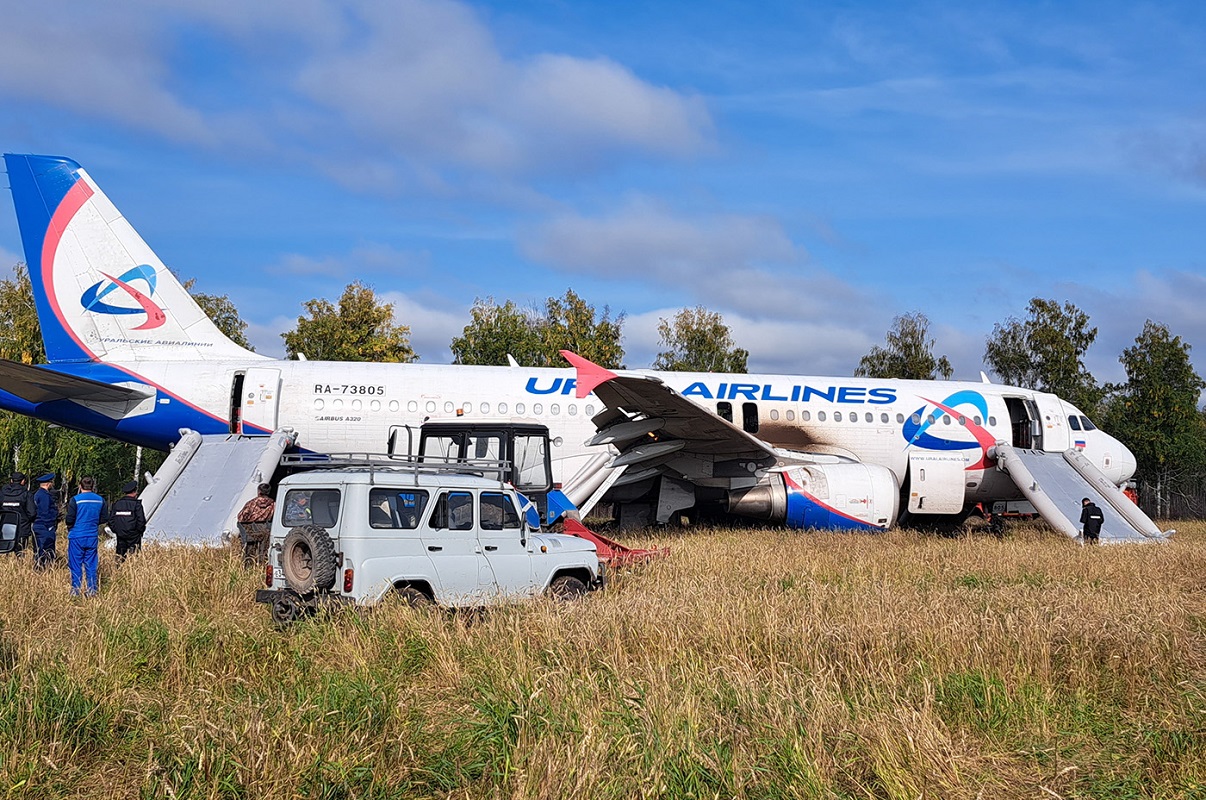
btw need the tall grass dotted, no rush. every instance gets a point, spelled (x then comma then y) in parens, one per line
(747, 664)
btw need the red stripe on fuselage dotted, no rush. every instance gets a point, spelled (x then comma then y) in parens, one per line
(72, 202)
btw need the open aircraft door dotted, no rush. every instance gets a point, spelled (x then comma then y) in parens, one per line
(936, 483)
(261, 401)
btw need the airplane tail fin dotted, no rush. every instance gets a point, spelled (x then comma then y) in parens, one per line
(101, 293)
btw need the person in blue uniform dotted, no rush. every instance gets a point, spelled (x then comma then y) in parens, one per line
(128, 521)
(46, 522)
(86, 512)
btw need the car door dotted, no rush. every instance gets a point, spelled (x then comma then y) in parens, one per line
(391, 546)
(504, 544)
(450, 537)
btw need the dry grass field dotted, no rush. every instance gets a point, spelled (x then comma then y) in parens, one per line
(747, 664)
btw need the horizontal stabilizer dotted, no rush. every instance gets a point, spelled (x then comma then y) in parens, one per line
(39, 385)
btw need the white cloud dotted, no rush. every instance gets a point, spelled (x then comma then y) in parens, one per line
(425, 80)
(91, 60)
(1171, 297)
(646, 240)
(433, 323)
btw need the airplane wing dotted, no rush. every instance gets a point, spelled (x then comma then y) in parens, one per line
(649, 422)
(39, 385)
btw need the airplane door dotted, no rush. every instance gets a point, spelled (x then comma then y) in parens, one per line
(936, 483)
(261, 401)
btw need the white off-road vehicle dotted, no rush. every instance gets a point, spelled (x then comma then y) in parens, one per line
(425, 531)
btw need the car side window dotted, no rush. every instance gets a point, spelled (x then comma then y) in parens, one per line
(396, 509)
(498, 512)
(454, 511)
(311, 507)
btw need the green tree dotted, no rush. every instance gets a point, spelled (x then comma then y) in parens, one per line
(33, 446)
(495, 331)
(220, 309)
(1155, 413)
(571, 323)
(909, 353)
(1046, 352)
(536, 338)
(361, 328)
(697, 340)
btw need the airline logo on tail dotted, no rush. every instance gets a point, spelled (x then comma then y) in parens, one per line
(93, 298)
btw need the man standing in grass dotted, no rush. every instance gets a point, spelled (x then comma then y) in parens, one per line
(46, 522)
(128, 521)
(1091, 517)
(85, 514)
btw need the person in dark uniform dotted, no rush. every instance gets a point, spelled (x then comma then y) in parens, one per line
(17, 509)
(1091, 517)
(46, 522)
(128, 521)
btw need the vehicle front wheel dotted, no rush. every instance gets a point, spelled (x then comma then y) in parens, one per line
(565, 588)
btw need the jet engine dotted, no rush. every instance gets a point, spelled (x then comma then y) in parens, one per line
(854, 496)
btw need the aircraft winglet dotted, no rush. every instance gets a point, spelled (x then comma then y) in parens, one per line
(590, 374)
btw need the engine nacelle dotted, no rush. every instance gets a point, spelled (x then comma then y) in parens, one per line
(833, 496)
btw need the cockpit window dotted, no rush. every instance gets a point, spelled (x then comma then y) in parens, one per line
(1087, 424)
(1074, 422)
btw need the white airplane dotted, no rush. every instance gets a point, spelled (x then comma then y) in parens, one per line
(132, 357)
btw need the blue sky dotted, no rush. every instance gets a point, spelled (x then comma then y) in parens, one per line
(809, 170)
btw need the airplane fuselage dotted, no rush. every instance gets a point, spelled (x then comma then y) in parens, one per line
(366, 407)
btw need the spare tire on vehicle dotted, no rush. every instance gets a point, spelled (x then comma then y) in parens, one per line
(308, 559)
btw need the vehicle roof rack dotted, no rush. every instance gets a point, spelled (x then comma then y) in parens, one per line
(392, 462)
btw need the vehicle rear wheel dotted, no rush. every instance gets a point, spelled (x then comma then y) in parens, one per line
(308, 559)
(565, 588)
(412, 597)
(286, 609)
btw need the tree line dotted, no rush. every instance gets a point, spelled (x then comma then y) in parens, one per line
(1154, 411)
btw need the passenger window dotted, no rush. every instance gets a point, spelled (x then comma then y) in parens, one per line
(725, 411)
(820, 416)
(900, 418)
(498, 512)
(1073, 422)
(502, 408)
(992, 420)
(774, 413)
(883, 418)
(311, 507)
(554, 409)
(396, 509)
(454, 511)
(749, 417)
(870, 417)
(792, 415)
(804, 415)
(837, 416)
